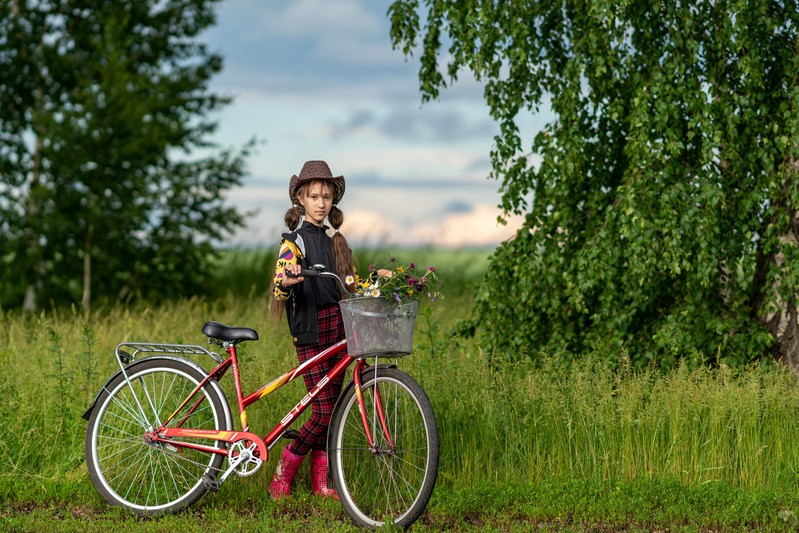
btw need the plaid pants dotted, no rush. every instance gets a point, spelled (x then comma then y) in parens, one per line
(313, 434)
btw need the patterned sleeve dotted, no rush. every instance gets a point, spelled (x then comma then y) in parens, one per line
(288, 255)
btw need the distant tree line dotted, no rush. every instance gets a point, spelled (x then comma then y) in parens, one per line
(109, 185)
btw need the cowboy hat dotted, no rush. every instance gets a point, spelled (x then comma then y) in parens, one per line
(313, 171)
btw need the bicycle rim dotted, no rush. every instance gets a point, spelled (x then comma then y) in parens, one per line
(392, 482)
(151, 478)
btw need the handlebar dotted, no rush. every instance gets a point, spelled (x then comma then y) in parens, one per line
(305, 273)
(319, 271)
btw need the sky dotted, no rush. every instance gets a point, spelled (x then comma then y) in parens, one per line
(315, 79)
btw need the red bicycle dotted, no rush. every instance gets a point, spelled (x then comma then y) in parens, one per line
(161, 433)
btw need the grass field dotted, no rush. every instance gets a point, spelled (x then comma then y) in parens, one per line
(551, 447)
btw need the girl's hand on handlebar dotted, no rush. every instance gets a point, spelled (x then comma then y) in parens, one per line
(384, 272)
(292, 275)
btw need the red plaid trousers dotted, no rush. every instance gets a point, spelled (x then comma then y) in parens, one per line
(313, 434)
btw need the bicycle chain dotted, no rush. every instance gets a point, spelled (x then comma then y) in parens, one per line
(165, 448)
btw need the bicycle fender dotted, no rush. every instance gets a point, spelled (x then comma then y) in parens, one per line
(87, 415)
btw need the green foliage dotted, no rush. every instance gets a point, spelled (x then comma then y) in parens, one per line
(661, 203)
(110, 187)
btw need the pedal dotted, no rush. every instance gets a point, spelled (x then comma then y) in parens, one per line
(211, 483)
(290, 434)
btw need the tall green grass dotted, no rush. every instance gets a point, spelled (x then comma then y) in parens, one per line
(588, 421)
(249, 271)
(499, 425)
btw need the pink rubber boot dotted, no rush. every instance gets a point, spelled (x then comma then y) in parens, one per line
(284, 475)
(319, 475)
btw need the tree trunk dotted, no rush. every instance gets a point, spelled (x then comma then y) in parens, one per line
(784, 325)
(34, 251)
(87, 268)
(29, 305)
(783, 322)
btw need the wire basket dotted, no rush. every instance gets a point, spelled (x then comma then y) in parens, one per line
(375, 326)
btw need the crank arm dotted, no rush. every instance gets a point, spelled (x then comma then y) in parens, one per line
(247, 456)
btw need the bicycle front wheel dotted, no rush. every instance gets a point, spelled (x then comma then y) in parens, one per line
(145, 477)
(392, 481)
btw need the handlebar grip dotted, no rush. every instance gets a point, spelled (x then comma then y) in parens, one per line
(306, 273)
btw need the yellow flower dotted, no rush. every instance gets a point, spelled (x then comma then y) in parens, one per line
(400, 269)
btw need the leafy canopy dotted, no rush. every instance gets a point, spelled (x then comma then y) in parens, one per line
(109, 185)
(661, 202)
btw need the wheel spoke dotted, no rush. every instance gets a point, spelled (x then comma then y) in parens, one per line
(389, 482)
(148, 477)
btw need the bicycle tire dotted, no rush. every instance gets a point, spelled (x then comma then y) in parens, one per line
(388, 485)
(149, 478)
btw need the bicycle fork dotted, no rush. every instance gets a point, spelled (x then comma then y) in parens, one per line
(378, 408)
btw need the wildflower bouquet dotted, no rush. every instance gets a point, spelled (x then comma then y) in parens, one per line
(400, 283)
(379, 321)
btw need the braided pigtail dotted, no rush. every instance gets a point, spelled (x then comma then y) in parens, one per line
(345, 262)
(292, 219)
(293, 216)
(276, 308)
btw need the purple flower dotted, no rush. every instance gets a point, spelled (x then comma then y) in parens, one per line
(397, 297)
(371, 268)
(392, 259)
(424, 280)
(411, 265)
(431, 269)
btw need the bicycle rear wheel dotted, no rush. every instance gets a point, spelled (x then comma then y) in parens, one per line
(390, 482)
(151, 478)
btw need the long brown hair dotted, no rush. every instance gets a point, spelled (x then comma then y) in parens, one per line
(342, 253)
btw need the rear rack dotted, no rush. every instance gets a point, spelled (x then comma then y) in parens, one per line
(150, 349)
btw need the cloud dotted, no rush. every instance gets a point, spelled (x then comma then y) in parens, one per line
(477, 227)
(480, 163)
(311, 19)
(369, 228)
(389, 219)
(458, 206)
(338, 50)
(359, 122)
(308, 46)
(320, 80)
(446, 126)
(409, 123)
(407, 165)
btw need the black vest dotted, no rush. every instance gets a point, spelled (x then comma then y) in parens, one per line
(313, 293)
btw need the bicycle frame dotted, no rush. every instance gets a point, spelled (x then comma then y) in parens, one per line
(167, 435)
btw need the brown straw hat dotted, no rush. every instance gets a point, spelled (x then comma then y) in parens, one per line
(316, 170)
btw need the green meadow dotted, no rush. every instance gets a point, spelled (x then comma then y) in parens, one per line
(551, 446)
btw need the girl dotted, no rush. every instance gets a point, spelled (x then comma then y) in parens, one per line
(312, 310)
